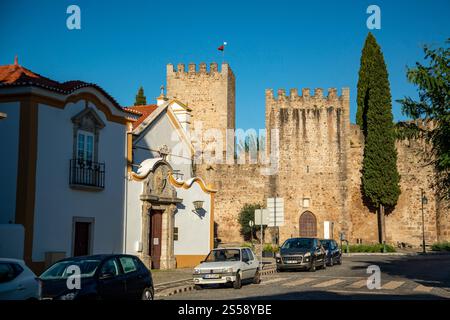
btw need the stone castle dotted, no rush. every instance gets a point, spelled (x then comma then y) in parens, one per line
(319, 168)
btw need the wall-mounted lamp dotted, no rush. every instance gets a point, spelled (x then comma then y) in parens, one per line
(198, 205)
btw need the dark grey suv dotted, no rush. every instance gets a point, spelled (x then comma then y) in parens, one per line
(301, 253)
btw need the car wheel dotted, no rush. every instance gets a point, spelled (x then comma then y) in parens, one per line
(340, 260)
(198, 287)
(147, 294)
(331, 262)
(237, 284)
(257, 278)
(312, 268)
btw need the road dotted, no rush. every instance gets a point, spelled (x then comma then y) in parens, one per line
(402, 277)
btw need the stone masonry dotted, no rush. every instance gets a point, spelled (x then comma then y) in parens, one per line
(320, 159)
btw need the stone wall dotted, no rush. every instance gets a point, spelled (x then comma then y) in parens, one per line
(238, 185)
(320, 159)
(404, 222)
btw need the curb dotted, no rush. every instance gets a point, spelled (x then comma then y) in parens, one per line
(172, 291)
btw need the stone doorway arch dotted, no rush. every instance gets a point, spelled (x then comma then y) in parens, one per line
(308, 224)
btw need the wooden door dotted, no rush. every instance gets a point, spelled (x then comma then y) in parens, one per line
(308, 224)
(82, 239)
(155, 238)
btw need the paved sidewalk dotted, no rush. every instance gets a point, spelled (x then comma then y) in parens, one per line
(167, 276)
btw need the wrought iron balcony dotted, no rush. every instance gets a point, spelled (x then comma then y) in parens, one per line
(88, 174)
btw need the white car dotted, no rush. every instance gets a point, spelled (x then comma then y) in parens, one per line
(226, 266)
(17, 281)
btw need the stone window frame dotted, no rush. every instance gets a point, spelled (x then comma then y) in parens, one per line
(89, 121)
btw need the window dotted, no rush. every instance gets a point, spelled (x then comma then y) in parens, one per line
(110, 267)
(245, 256)
(128, 264)
(85, 146)
(7, 272)
(175, 233)
(250, 254)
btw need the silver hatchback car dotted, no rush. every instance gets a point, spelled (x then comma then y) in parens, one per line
(227, 266)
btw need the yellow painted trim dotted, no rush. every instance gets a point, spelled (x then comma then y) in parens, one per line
(211, 223)
(186, 261)
(129, 147)
(61, 104)
(185, 185)
(26, 173)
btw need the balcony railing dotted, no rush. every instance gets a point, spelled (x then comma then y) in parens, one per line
(85, 173)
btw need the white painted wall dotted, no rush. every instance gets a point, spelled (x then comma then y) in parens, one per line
(193, 231)
(133, 217)
(9, 131)
(12, 237)
(57, 203)
(161, 131)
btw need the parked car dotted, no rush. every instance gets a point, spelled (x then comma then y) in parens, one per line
(107, 276)
(228, 266)
(17, 281)
(333, 252)
(301, 253)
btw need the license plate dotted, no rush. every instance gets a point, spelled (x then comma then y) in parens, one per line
(292, 261)
(211, 276)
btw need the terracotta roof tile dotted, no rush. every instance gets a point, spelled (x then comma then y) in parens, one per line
(144, 111)
(14, 75)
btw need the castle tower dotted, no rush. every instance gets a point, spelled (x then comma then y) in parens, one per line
(209, 93)
(313, 131)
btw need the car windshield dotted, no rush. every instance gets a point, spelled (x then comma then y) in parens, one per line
(325, 244)
(61, 270)
(298, 243)
(224, 255)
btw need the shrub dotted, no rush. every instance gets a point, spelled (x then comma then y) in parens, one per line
(368, 248)
(441, 246)
(248, 214)
(270, 248)
(247, 245)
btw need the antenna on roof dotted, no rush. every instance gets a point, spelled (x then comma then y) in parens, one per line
(16, 60)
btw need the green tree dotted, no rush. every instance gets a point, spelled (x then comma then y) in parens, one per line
(141, 100)
(380, 178)
(433, 108)
(248, 214)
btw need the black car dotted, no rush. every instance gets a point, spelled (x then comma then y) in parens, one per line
(334, 254)
(301, 253)
(107, 276)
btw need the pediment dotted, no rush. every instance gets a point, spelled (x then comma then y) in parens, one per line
(88, 119)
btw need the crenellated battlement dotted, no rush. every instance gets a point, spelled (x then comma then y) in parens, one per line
(306, 96)
(200, 69)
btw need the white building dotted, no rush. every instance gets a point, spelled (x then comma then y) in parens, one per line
(165, 228)
(63, 166)
(81, 175)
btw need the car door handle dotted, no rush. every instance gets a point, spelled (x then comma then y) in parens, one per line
(20, 288)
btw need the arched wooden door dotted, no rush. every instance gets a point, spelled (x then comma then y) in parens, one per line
(308, 224)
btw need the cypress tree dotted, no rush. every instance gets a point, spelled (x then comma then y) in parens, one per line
(141, 100)
(380, 178)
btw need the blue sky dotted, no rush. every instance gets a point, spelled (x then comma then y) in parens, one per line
(271, 44)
